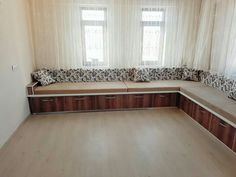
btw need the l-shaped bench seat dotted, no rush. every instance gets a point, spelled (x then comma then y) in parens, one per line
(208, 106)
(211, 98)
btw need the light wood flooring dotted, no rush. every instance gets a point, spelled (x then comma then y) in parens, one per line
(145, 143)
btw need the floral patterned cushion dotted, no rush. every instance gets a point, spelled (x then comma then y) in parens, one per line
(165, 74)
(43, 77)
(104, 75)
(49, 76)
(91, 75)
(232, 92)
(232, 95)
(220, 82)
(191, 75)
(141, 75)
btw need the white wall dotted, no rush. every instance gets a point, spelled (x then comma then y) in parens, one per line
(15, 49)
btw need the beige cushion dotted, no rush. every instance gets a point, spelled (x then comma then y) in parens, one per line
(85, 87)
(170, 85)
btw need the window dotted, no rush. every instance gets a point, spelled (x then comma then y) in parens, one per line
(152, 36)
(94, 36)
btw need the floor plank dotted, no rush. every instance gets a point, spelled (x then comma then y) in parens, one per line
(145, 143)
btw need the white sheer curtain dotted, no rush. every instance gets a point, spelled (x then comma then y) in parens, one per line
(216, 38)
(58, 33)
(223, 57)
(203, 48)
(196, 33)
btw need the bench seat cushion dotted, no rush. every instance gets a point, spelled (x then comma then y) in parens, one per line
(170, 85)
(79, 88)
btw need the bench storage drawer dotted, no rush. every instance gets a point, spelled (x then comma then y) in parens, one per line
(234, 144)
(47, 104)
(223, 131)
(110, 102)
(187, 106)
(202, 116)
(164, 100)
(139, 101)
(79, 103)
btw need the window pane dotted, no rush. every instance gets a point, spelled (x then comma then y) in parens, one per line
(152, 16)
(93, 15)
(151, 43)
(94, 43)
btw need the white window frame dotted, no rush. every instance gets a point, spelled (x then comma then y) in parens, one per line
(159, 60)
(105, 36)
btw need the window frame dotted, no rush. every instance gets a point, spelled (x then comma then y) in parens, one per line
(103, 23)
(159, 60)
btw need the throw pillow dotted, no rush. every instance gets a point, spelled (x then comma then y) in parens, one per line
(141, 75)
(43, 77)
(190, 75)
(232, 95)
(232, 92)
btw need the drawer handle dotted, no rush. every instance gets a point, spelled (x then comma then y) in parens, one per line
(79, 99)
(138, 96)
(223, 124)
(110, 97)
(162, 96)
(47, 100)
(202, 110)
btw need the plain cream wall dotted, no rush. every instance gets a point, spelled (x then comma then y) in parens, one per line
(15, 49)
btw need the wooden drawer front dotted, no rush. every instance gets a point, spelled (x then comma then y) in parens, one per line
(203, 117)
(164, 100)
(79, 103)
(47, 104)
(139, 101)
(181, 102)
(193, 112)
(109, 102)
(223, 131)
(186, 105)
(234, 144)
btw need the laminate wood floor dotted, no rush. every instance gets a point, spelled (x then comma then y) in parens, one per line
(145, 143)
